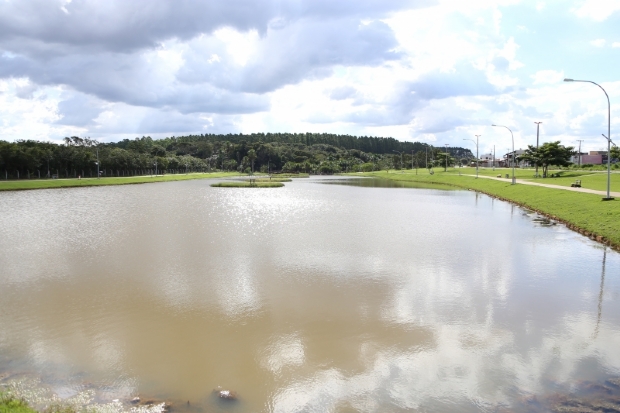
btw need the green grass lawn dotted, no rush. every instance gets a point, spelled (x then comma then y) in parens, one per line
(589, 179)
(10, 404)
(68, 183)
(299, 175)
(585, 211)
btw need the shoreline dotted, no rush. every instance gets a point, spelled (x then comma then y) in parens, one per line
(26, 185)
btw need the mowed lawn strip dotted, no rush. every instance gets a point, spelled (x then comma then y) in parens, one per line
(584, 211)
(589, 179)
(128, 180)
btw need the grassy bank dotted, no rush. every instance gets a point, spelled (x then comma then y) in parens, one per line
(582, 212)
(247, 184)
(10, 404)
(69, 183)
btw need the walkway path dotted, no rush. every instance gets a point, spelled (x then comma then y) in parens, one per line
(566, 188)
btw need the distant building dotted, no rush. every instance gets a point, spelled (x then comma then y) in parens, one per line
(575, 158)
(486, 161)
(508, 158)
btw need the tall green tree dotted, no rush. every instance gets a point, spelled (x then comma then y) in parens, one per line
(549, 153)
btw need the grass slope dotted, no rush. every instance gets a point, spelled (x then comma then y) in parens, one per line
(583, 212)
(69, 183)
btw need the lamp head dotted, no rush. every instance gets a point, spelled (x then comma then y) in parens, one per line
(569, 80)
(493, 125)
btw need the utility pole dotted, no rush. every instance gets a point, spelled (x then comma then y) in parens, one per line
(579, 154)
(537, 133)
(493, 157)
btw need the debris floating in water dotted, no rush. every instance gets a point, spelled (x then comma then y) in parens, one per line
(225, 394)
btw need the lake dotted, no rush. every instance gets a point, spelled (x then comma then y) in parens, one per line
(350, 296)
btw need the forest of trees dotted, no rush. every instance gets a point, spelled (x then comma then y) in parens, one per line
(276, 152)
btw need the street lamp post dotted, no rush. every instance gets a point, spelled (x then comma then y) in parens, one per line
(514, 181)
(155, 165)
(537, 133)
(446, 168)
(97, 163)
(608, 137)
(477, 156)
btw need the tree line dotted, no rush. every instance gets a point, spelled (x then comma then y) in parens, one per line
(271, 152)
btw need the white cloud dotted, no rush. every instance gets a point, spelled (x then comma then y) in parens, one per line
(547, 76)
(435, 72)
(598, 10)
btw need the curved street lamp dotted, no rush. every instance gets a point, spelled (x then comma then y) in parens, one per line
(477, 157)
(608, 137)
(514, 181)
(537, 133)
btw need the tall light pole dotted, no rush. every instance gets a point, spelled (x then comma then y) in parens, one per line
(493, 157)
(537, 132)
(98, 176)
(579, 153)
(401, 159)
(446, 168)
(608, 137)
(477, 157)
(514, 181)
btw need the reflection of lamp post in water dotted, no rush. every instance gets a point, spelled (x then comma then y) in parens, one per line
(600, 294)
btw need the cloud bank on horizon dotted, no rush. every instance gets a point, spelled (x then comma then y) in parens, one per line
(437, 71)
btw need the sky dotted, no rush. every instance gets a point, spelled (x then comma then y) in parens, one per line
(435, 71)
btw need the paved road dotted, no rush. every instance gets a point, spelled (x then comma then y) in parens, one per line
(565, 188)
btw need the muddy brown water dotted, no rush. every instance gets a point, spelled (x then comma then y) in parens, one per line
(310, 297)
